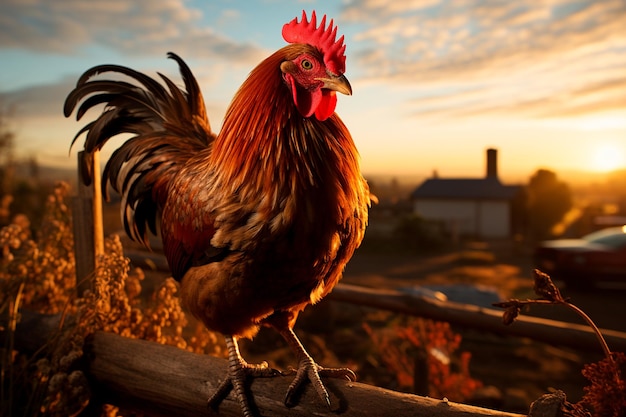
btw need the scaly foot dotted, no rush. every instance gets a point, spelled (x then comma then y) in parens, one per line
(309, 370)
(238, 373)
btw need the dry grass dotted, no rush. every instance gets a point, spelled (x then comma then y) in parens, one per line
(38, 274)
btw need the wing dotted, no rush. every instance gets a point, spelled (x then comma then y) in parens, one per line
(187, 246)
(188, 220)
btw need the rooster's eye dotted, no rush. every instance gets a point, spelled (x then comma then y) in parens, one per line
(306, 64)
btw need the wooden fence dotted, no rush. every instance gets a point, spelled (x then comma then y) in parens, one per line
(165, 380)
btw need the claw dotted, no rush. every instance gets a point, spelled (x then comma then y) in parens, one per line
(309, 370)
(239, 371)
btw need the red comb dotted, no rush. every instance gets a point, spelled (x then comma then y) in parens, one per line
(321, 37)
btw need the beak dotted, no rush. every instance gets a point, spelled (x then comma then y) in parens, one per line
(339, 84)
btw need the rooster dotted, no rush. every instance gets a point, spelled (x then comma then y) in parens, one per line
(257, 221)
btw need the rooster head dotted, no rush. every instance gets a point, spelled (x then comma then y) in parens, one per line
(315, 73)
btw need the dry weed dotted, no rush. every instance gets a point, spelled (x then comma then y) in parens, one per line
(422, 355)
(38, 274)
(606, 393)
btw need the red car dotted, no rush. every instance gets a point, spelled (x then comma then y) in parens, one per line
(599, 256)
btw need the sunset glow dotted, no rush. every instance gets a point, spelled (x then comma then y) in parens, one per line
(608, 157)
(435, 83)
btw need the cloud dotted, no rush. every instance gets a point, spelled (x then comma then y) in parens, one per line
(35, 113)
(369, 10)
(46, 100)
(38, 101)
(141, 27)
(469, 57)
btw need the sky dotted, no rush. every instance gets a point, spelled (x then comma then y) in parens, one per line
(435, 82)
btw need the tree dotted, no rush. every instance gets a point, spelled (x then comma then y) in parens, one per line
(548, 201)
(616, 184)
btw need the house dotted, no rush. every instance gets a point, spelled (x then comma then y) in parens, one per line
(482, 208)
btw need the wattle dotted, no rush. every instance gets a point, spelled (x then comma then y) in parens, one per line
(327, 104)
(321, 102)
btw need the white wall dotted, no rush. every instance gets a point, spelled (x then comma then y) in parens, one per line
(484, 219)
(495, 219)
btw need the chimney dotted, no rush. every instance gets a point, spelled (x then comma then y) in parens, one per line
(492, 163)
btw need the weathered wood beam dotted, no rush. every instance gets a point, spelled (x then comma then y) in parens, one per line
(545, 330)
(164, 380)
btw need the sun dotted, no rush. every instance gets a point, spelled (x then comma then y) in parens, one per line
(608, 157)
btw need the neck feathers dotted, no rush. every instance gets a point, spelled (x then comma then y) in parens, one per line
(264, 139)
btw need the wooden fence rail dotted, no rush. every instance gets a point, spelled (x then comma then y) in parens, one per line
(469, 316)
(169, 381)
(163, 380)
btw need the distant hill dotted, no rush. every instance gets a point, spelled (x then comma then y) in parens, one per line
(45, 173)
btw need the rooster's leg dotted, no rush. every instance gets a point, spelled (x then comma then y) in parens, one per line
(308, 369)
(238, 373)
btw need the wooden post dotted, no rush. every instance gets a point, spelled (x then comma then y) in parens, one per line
(421, 373)
(88, 228)
(98, 226)
(83, 231)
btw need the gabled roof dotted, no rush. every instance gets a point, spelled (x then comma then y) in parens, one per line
(465, 188)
